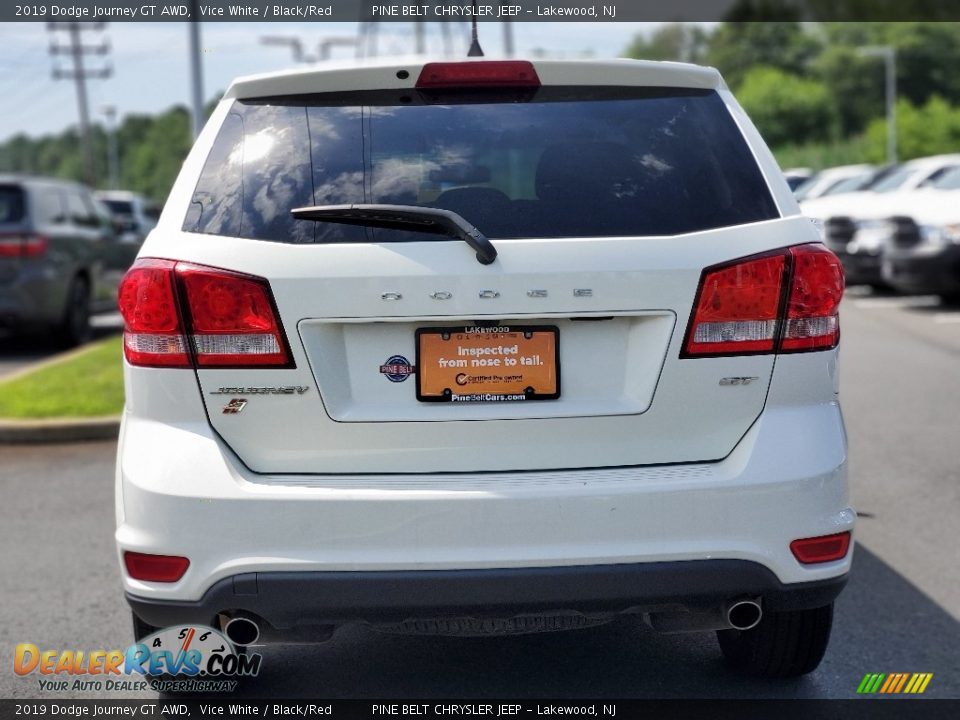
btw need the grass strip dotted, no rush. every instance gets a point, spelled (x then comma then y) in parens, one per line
(86, 384)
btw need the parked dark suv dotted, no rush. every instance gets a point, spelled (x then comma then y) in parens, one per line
(55, 242)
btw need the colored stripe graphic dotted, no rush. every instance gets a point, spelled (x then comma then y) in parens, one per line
(892, 679)
(894, 683)
(870, 683)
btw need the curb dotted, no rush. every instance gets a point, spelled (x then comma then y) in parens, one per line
(59, 430)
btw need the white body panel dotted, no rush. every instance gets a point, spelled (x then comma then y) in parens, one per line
(786, 479)
(871, 205)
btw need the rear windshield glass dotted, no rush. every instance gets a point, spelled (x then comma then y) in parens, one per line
(11, 204)
(119, 207)
(568, 162)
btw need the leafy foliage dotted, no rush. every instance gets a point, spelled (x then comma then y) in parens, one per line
(930, 129)
(786, 106)
(151, 150)
(814, 89)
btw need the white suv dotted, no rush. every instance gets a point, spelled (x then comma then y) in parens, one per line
(485, 347)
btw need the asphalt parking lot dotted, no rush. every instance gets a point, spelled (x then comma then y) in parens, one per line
(900, 366)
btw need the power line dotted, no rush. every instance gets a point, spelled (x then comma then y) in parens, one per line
(79, 73)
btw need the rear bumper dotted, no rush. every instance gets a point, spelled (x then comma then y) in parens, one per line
(290, 599)
(180, 491)
(925, 272)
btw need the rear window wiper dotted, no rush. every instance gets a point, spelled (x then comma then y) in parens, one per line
(404, 217)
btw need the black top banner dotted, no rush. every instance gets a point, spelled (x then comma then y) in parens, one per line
(482, 10)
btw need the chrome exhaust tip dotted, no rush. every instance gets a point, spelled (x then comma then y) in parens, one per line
(744, 614)
(242, 631)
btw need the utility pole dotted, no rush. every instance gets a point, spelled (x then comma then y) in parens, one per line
(80, 74)
(889, 55)
(113, 157)
(296, 46)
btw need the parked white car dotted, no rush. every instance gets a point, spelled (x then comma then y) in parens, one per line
(855, 224)
(843, 178)
(485, 346)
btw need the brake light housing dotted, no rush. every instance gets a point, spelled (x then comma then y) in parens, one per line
(784, 301)
(479, 74)
(23, 246)
(179, 314)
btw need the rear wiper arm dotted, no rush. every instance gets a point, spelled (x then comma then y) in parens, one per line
(404, 217)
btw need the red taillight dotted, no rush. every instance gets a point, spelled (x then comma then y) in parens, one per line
(815, 292)
(232, 318)
(737, 308)
(490, 74)
(155, 568)
(784, 301)
(23, 245)
(826, 548)
(153, 333)
(229, 318)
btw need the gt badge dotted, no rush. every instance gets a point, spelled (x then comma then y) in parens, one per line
(234, 407)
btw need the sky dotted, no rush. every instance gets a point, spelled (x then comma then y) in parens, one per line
(151, 71)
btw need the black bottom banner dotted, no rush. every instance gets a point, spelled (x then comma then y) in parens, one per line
(176, 707)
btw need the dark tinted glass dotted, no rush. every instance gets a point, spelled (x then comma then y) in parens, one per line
(119, 207)
(570, 162)
(11, 204)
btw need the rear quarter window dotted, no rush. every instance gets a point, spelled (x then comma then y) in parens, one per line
(12, 205)
(568, 162)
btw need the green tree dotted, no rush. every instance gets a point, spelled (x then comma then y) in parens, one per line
(737, 47)
(787, 108)
(930, 129)
(682, 42)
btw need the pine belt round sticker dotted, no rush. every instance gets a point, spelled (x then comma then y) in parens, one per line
(397, 368)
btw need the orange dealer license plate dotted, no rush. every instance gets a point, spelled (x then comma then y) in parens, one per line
(488, 364)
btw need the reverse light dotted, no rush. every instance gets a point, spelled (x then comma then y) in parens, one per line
(825, 548)
(783, 301)
(488, 74)
(185, 315)
(155, 568)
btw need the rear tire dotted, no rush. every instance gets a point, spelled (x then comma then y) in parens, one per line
(783, 645)
(75, 328)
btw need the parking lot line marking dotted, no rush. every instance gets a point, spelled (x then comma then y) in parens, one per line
(872, 303)
(947, 318)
